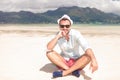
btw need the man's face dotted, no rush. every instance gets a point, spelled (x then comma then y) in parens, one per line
(65, 26)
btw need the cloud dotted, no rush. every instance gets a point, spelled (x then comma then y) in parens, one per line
(44, 5)
(104, 5)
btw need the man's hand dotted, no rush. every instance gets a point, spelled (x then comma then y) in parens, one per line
(62, 34)
(93, 66)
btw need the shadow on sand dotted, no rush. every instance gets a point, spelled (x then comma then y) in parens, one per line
(49, 68)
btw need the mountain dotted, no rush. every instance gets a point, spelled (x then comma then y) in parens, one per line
(78, 15)
(22, 17)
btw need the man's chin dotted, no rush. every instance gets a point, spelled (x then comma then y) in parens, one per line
(66, 31)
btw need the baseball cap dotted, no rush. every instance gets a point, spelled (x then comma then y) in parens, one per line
(66, 17)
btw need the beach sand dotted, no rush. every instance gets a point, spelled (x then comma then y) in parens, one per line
(23, 53)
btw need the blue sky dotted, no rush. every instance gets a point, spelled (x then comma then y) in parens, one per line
(44, 5)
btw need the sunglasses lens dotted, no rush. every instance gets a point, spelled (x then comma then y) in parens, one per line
(67, 26)
(62, 26)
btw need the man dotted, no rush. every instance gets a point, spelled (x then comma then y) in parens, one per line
(70, 41)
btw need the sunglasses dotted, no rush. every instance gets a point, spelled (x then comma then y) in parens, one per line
(62, 26)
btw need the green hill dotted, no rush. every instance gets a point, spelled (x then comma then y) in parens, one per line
(78, 14)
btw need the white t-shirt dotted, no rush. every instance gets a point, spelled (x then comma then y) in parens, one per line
(71, 48)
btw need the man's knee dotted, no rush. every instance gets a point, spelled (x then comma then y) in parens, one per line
(87, 58)
(49, 52)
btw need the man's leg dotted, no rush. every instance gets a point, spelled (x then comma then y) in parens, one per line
(79, 64)
(58, 60)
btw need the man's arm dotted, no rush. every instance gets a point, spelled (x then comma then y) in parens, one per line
(53, 42)
(93, 65)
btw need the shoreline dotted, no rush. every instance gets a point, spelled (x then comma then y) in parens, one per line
(49, 30)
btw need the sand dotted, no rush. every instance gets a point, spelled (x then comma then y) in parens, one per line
(23, 56)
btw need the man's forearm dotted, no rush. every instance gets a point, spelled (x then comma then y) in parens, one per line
(52, 43)
(93, 65)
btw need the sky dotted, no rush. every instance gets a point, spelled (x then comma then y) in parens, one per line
(38, 6)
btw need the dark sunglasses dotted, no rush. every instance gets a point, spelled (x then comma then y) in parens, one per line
(62, 26)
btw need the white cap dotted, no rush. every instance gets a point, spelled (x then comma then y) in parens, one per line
(66, 17)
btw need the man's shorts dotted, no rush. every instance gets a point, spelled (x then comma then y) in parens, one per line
(69, 62)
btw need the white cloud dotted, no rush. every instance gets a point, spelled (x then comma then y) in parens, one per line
(43, 5)
(104, 5)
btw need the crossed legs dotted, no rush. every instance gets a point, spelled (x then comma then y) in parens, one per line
(58, 60)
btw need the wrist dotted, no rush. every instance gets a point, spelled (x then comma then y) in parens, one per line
(58, 37)
(93, 60)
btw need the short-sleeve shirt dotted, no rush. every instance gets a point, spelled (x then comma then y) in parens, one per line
(70, 48)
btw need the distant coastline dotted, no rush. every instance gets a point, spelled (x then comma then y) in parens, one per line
(50, 29)
(78, 15)
(54, 25)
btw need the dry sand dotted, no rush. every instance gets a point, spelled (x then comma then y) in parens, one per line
(22, 53)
